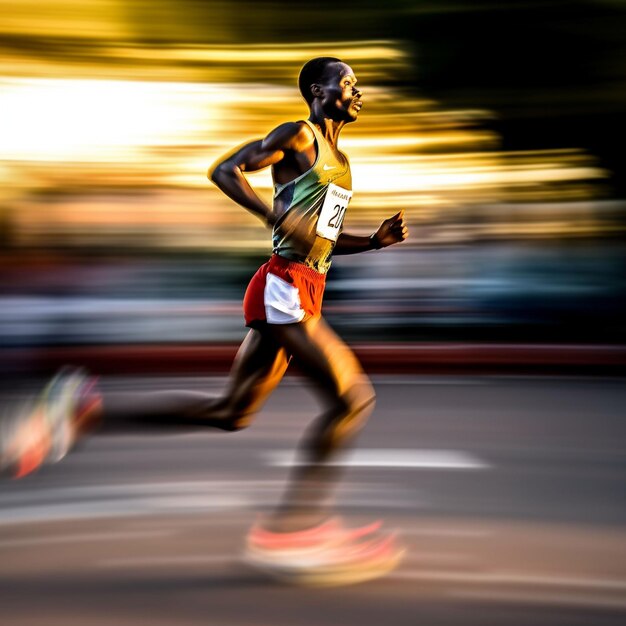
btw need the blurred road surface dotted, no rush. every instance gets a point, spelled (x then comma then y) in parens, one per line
(508, 492)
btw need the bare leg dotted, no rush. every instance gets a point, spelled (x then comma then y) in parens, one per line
(348, 399)
(68, 407)
(258, 368)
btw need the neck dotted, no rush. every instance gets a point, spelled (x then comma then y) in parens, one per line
(330, 128)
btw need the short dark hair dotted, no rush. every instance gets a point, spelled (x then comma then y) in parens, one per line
(311, 72)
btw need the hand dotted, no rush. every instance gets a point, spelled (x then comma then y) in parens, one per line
(392, 230)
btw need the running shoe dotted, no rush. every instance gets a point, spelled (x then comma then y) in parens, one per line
(326, 555)
(46, 431)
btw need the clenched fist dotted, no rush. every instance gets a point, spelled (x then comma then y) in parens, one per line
(392, 230)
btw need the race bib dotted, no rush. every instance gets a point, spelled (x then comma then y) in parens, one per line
(333, 211)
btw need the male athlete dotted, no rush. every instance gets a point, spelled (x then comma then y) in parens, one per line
(282, 308)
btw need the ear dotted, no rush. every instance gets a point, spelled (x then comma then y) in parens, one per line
(316, 90)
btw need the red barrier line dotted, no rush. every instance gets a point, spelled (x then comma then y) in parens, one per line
(376, 358)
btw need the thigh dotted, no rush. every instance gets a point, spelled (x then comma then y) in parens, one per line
(323, 357)
(259, 366)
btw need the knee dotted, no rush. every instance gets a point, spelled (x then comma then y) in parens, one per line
(235, 423)
(357, 406)
(225, 415)
(361, 399)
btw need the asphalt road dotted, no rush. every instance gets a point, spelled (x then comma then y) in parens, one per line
(508, 493)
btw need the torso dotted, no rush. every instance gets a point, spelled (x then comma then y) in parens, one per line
(316, 198)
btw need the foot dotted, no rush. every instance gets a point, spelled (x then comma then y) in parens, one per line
(326, 555)
(68, 405)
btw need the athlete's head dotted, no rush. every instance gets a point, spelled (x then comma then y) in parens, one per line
(329, 83)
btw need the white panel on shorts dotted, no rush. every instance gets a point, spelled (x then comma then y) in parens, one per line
(282, 301)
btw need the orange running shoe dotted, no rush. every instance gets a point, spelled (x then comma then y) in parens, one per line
(327, 555)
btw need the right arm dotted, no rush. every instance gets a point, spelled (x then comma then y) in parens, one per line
(228, 172)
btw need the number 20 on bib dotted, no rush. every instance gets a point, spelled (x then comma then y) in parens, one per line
(333, 211)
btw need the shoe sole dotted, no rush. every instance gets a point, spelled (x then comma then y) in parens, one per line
(383, 558)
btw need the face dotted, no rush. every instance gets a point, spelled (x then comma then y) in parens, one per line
(340, 97)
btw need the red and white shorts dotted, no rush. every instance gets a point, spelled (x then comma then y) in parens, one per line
(283, 292)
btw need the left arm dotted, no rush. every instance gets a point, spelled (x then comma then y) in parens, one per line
(392, 230)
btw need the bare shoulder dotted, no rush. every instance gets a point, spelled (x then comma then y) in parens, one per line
(290, 136)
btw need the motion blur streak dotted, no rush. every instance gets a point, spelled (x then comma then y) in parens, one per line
(80, 143)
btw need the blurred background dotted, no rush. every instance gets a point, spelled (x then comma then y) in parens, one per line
(499, 128)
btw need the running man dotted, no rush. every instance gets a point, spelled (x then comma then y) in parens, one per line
(282, 308)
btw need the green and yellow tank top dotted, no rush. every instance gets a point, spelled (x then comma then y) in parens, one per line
(314, 205)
